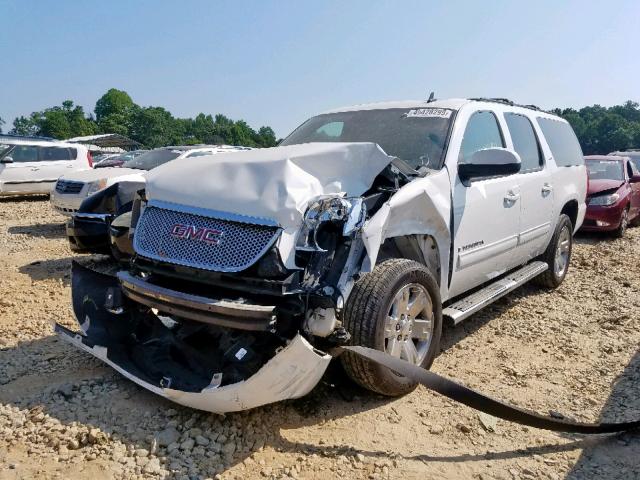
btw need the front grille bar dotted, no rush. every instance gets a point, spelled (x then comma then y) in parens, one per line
(223, 313)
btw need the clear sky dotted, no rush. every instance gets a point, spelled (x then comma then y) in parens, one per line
(278, 62)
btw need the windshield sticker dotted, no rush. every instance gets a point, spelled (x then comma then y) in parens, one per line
(429, 113)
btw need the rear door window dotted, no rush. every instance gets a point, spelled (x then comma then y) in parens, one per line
(525, 142)
(562, 141)
(50, 154)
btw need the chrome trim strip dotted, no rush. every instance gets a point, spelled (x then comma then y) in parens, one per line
(223, 313)
(92, 216)
(205, 212)
(193, 301)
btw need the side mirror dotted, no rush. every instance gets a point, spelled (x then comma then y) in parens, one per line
(635, 179)
(7, 159)
(490, 162)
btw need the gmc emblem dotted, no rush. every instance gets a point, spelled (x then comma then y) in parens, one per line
(210, 236)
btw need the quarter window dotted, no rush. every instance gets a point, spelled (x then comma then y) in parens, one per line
(482, 132)
(562, 141)
(524, 141)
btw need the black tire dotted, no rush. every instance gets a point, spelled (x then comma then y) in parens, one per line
(624, 224)
(365, 315)
(551, 278)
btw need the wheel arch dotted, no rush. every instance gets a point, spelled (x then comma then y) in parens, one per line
(570, 209)
(419, 248)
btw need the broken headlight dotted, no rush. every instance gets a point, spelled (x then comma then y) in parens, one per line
(604, 200)
(335, 213)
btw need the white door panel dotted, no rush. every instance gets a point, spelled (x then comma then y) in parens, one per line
(537, 208)
(20, 177)
(486, 223)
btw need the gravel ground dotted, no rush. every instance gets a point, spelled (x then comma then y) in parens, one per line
(63, 414)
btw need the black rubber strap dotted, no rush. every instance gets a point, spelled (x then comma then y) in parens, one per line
(483, 403)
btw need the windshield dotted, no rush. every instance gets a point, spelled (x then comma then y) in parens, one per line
(417, 136)
(152, 159)
(605, 170)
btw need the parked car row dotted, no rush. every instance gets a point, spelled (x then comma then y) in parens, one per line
(72, 188)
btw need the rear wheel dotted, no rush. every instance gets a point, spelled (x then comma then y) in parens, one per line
(624, 224)
(558, 254)
(395, 309)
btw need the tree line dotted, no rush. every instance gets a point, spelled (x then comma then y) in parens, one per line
(115, 112)
(600, 130)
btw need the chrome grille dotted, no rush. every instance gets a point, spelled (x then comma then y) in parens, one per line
(238, 246)
(68, 186)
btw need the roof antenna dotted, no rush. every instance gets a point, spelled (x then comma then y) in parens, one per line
(432, 97)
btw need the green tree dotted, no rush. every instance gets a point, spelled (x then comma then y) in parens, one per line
(602, 130)
(267, 137)
(154, 127)
(24, 126)
(65, 122)
(114, 102)
(114, 112)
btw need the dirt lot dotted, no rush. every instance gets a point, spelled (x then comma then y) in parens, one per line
(65, 415)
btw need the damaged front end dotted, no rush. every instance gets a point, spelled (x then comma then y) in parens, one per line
(192, 363)
(225, 311)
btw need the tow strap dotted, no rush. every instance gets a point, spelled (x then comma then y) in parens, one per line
(481, 402)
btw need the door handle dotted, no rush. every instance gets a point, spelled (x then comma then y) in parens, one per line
(547, 188)
(512, 196)
(35, 169)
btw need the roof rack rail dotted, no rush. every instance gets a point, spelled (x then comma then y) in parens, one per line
(14, 136)
(506, 101)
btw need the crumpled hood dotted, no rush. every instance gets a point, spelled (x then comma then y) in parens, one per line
(597, 186)
(272, 183)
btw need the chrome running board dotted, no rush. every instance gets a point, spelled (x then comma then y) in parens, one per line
(467, 306)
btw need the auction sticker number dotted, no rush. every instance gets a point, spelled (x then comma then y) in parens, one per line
(429, 113)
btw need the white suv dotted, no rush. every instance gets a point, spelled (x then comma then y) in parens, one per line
(367, 225)
(31, 165)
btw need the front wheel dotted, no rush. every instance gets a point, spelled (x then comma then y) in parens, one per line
(558, 254)
(396, 309)
(624, 223)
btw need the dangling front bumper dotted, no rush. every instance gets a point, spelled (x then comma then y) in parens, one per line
(110, 328)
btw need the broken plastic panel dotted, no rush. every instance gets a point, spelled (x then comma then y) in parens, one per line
(195, 364)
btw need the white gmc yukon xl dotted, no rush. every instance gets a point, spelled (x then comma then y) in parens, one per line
(368, 225)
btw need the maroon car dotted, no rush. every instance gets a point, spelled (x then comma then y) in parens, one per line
(613, 196)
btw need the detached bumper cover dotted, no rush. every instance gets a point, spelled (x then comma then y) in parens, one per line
(291, 373)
